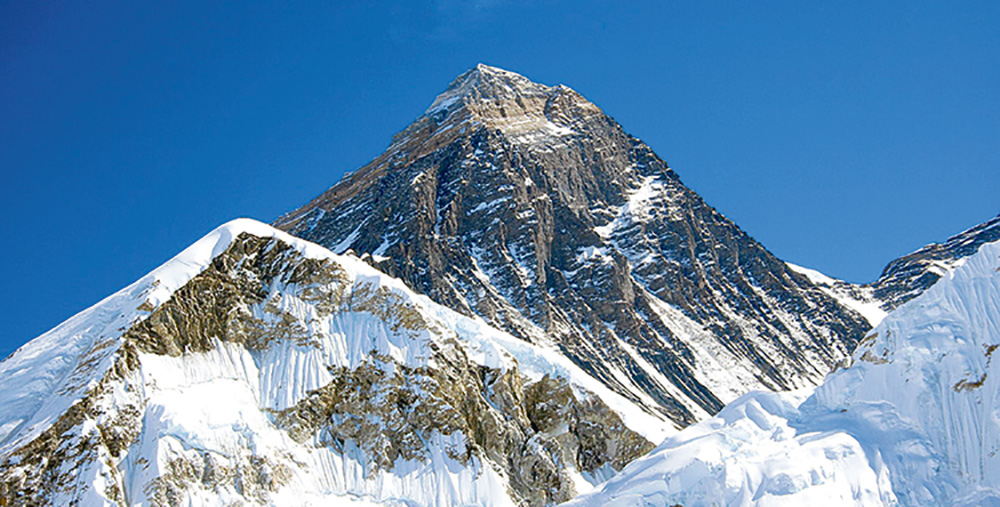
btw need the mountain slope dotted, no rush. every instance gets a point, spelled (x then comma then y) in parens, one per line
(911, 422)
(527, 205)
(258, 368)
(860, 298)
(906, 277)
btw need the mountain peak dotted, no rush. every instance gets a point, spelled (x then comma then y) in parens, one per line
(505, 100)
(526, 205)
(484, 82)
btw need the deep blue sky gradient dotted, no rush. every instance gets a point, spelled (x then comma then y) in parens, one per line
(841, 135)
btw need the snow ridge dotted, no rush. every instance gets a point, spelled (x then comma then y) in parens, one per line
(858, 298)
(218, 409)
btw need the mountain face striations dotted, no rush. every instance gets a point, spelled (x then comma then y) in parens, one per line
(528, 206)
(512, 306)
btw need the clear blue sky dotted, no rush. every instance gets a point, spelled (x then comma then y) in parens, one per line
(840, 135)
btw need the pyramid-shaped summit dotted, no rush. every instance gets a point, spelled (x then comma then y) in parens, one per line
(484, 82)
(526, 205)
(525, 111)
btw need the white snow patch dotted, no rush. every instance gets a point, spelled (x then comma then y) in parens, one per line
(593, 253)
(846, 294)
(489, 205)
(379, 253)
(637, 209)
(346, 243)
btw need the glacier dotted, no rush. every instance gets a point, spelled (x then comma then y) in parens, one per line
(911, 419)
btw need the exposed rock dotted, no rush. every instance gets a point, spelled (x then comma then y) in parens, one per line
(527, 205)
(95, 432)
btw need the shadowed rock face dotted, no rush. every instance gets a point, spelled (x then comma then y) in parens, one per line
(527, 205)
(909, 276)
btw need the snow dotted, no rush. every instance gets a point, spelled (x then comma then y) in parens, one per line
(379, 254)
(911, 421)
(749, 454)
(725, 374)
(657, 377)
(349, 240)
(859, 299)
(523, 116)
(217, 402)
(39, 381)
(593, 253)
(488, 205)
(640, 205)
(488, 345)
(208, 403)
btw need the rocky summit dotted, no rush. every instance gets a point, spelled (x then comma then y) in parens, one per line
(527, 205)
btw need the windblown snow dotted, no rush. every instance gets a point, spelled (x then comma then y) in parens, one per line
(911, 421)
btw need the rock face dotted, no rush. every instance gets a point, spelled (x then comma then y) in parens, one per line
(907, 277)
(527, 205)
(257, 368)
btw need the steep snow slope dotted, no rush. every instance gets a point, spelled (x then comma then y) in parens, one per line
(257, 367)
(912, 421)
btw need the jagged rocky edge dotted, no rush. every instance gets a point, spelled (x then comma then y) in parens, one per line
(907, 277)
(76, 394)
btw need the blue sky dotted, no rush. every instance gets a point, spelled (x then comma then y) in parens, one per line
(840, 134)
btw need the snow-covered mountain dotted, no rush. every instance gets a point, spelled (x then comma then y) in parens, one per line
(510, 305)
(528, 206)
(258, 368)
(912, 420)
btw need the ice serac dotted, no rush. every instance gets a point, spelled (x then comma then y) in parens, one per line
(911, 421)
(526, 205)
(258, 368)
